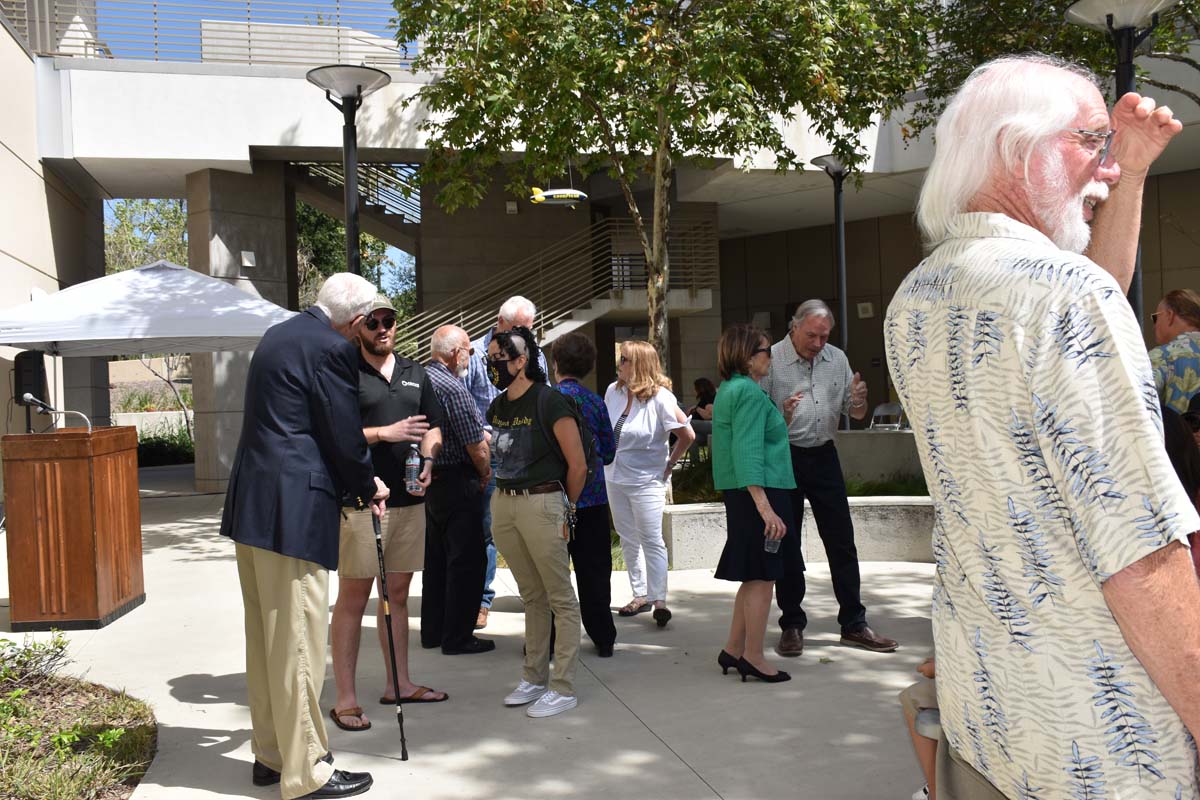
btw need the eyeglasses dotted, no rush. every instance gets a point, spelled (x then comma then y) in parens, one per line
(1094, 139)
(371, 323)
(1154, 317)
(470, 351)
(758, 350)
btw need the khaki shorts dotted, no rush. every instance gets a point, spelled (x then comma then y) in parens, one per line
(922, 694)
(403, 542)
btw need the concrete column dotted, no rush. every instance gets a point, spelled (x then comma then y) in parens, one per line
(85, 388)
(234, 220)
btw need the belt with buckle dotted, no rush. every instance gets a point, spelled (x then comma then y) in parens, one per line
(541, 488)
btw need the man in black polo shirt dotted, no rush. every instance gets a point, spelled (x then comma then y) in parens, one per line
(398, 408)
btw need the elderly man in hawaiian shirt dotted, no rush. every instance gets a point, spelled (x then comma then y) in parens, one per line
(1065, 608)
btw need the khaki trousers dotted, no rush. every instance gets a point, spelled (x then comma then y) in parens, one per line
(287, 619)
(528, 531)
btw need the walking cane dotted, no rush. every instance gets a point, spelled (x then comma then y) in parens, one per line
(387, 621)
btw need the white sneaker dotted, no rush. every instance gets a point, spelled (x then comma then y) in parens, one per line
(922, 793)
(551, 703)
(524, 693)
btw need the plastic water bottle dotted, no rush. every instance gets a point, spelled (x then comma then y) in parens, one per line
(412, 471)
(771, 545)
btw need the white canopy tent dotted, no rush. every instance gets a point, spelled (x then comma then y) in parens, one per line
(158, 308)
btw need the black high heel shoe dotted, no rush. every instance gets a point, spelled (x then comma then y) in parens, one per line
(745, 668)
(726, 662)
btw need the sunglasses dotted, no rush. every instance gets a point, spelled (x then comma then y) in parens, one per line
(758, 350)
(371, 323)
(1154, 317)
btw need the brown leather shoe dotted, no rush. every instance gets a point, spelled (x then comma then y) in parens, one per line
(481, 620)
(868, 639)
(791, 643)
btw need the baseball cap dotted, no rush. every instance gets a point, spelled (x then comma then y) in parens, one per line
(381, 302)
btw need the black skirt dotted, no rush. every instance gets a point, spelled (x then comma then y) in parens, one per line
(743, 558)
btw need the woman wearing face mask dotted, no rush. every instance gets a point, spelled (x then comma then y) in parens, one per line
(644, 414)
(540, 471)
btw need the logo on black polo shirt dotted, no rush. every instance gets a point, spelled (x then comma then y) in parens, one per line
(411, 384)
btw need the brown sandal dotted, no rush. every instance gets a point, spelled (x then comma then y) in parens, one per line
(354, 711)
(633, 607)
(420, 695)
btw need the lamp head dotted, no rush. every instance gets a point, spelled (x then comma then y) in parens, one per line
(832, 165)
(1125, 13)
(347, 80)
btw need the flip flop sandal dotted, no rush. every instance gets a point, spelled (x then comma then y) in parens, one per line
(354, 711)
(418, 696)
(630, 610)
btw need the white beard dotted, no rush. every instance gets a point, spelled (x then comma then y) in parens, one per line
(1062, 217)
(462, 370)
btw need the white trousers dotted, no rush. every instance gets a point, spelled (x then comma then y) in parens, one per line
(637, 514)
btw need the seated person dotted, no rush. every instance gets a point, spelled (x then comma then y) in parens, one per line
(920, 706)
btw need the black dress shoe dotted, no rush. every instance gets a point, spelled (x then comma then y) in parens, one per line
(265, 776)
(469, 647)
(344, 784)
(604, 650)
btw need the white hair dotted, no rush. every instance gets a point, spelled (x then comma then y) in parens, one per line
(1000, 116)
(446, 340)
(516, 309)
(344, 296)
(811, 308)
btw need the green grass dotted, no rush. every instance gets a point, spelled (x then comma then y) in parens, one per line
(140, 398)
(65, 739)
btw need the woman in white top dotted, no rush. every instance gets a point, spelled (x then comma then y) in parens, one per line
(644, 414)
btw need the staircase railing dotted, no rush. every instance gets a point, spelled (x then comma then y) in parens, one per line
(391, 186)
(565, 277)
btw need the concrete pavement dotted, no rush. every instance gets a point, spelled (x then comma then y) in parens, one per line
(658, 720)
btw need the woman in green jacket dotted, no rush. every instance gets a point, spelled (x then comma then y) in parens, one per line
(752, 466)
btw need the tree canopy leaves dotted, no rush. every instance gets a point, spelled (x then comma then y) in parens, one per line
(970, 32)
(634, 86)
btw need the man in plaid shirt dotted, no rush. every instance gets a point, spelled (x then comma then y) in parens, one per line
(455, 559)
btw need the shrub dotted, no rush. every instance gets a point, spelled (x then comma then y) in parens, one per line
(166, 444)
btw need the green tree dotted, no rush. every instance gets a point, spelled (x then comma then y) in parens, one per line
(970, 32)
(636, 87)
(321, 251)
(140, 232)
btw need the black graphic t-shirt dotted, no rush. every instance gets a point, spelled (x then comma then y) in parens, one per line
(523, 456)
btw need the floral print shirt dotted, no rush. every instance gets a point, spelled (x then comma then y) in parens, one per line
(1176, 366)
(1034, 407)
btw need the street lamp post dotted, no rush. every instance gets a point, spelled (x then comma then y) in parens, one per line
(836, 170)
(1128, 22)
(350, 84)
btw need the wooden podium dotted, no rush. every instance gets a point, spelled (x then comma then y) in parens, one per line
(74, 527)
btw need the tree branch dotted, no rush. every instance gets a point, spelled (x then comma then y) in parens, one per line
(1178, 58)
(1193, 96)
(614, 154)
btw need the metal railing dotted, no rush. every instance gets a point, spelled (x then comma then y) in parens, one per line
(213, 31)
(589, 265)
(392, 187)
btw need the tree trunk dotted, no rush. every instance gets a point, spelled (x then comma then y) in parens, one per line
(657, 261)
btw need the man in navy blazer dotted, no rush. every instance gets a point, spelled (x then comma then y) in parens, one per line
(301, 448)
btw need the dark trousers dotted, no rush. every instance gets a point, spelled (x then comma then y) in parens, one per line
(819, 479)
(455, 559)
(591, 553)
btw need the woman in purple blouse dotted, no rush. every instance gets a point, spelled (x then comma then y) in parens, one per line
(591, 549)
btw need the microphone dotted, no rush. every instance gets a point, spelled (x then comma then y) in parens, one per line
(45, 408)
(29, 400)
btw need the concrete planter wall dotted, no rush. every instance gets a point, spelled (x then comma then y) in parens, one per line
(885, 529)
(150, 421)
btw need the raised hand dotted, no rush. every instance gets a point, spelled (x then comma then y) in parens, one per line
(1143, 131)
(409, 429)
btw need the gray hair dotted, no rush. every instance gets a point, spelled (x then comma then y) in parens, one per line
(446, 340)
(811, 308)
(344, 296)
(1002, 114)
(517, 308)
